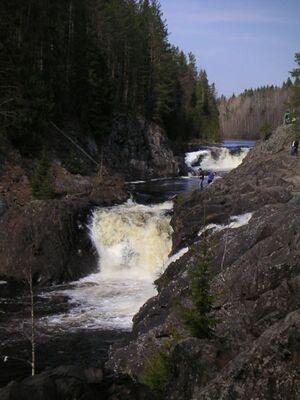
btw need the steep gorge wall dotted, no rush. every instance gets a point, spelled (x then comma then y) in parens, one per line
(139, 149)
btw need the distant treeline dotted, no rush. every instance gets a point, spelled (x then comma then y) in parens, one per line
(85, 61)
(254, 111)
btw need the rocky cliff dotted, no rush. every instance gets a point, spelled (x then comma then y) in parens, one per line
(139, 149)
(49, 239)
(255, 276)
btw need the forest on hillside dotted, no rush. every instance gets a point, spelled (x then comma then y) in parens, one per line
(255, 112)
(82, 62)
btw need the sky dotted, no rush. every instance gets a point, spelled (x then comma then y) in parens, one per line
(242, 44)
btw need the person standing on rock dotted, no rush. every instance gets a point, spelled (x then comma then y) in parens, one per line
(294, 147)
(201, 177)
(286, 118)
(211, 177)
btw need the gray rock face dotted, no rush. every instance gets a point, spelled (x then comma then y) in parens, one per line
(49, 238)
(255, 270)
(138, 149)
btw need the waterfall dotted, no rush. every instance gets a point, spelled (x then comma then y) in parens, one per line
(216, 158)
(133, 242)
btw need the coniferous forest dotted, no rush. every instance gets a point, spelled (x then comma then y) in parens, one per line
(86, 61)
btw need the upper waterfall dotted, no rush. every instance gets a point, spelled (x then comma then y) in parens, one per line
(216, 158)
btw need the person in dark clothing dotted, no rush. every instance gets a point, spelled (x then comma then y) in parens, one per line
(286, 118)
(201, 177)
(294, 147)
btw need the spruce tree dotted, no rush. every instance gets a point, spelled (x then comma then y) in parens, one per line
(198, 318)
(41, 182)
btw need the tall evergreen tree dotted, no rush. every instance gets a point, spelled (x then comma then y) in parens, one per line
(85, 61)
(206, 114)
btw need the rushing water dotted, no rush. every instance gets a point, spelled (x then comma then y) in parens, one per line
(133, 242)
(218, 159)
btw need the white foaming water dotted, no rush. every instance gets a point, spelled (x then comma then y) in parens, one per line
(236, 221)
(133, 242)
(216, 159)
(176, 256)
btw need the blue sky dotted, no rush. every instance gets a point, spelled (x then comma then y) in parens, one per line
(241, 44)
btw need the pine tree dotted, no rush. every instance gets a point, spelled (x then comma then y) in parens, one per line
(206, 115)
(198, 318)
(41, 182)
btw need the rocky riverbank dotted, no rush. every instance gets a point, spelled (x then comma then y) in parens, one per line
(255, 272)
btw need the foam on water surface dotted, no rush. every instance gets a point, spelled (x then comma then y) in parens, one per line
(133, 242)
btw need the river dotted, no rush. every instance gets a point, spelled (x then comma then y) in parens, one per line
(77, 322)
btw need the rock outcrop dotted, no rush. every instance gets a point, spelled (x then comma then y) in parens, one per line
(255, 272)
(138, 149)
(49, 238)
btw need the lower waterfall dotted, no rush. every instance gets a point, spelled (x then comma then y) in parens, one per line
(133, 242)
